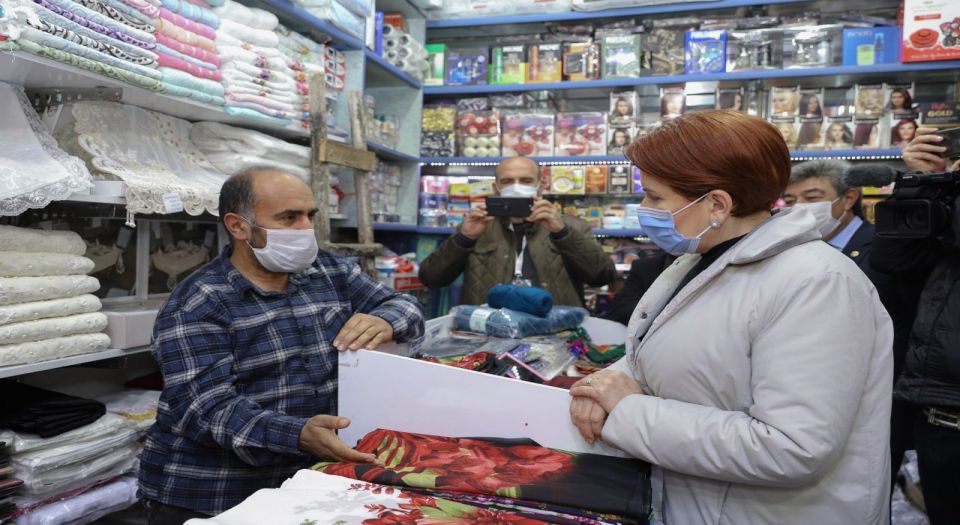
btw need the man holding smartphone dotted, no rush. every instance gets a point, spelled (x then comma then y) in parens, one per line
(521, 239)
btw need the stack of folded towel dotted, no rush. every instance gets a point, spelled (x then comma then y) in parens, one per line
(186, 44)
(306, 58)
(258, 83)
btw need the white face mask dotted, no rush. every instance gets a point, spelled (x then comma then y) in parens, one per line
(286, 251)
(823, 212)
(519, 190)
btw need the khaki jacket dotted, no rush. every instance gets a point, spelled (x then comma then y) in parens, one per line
(767, 382)
(492, 260)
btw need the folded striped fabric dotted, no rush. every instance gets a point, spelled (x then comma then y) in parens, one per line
(193, 12)
(145, 7)
(184, 79)
(115, 14)
(187, 49)
(99, 23)
(140, 55)
(184, 22)
(85, 63)
(78, 49)
(176, 32)
(186, 58)
(182, 65)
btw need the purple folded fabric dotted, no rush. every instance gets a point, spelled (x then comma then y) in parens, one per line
(93, 26)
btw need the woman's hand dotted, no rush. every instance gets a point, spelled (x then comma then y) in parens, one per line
(595, 396)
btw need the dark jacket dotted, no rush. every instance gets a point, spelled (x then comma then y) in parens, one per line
(643, 272)
(931, 375)
(562, 262)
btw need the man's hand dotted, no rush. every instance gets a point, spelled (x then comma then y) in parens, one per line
(319, 437)
(546, 215)
(476, 223)
(363, 331)
(923, 152)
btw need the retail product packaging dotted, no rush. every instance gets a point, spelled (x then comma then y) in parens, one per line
(755, 50)
(580, 134)
(868, 101)
(623, 108)
(335, 65)
(130, 326)
(621, 55)
(482, 189)
(700, 101)
(438, 135)
(511, 101)
(473, 104)
(397, 20)
(665, 44)
(902, 129)
(931, 30)
(528, 134)
(613, 217)
(567, 180)
(478, 134)
(730, 98)
(596, 179)
(784, 102)
(544, 63)
(813, 46)
(466, 66)
(789, 128)
(631, 219)
(436, 57)
(594, 216)
(581, 61)
(508, 64)
(866, 46)
(898, 99)
(636, 187)
(866, 133)
(672, 103)
(838, 102)
(810, 132)
(620, 137)
(336, 13)
(619, 176)
(838, 133)
(378, 33)
(705, 52)
(940, 114)
(475, 8)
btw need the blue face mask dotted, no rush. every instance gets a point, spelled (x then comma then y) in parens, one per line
(662, 230)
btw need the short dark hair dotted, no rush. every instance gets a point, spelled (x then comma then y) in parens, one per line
(831, 170)
(237, 195)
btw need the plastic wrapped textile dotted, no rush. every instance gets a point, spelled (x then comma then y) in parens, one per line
(18, 313)
(536, 301)
(549, 356)
(138, 407)
(87, 507)
(457, 346)
(23, 442)
(512, 324)
(26, 264)
(107, 458)
(31, 240)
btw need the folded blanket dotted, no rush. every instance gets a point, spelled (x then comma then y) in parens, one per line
(145, 7)
(199, 63)
(197, 71)
(130, 11)
(193, 12)
(29, 331)
(257, 116)
(273, 75)
(293, 99)
(187, 49)
(18, 313)
(257, 37)
(233, 76)
(90, 65)
(260, 108)
(176, 32)
(253, 57)
(185, 92)
(187, 24)
(79, 50)
(252, 17)
(33, 240)
(99, 23)
(233, 98)
(101, 7)
(17, 290)
(27, 264)
(180, 78)
(131, 53)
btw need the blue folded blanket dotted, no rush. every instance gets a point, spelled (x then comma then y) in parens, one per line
(536, 301)
(513, 324)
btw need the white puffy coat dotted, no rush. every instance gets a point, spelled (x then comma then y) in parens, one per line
(768, 382)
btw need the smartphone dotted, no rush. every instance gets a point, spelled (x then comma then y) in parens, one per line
(951, 140)
(509, 206)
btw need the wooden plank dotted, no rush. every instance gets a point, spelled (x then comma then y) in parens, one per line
(342, 155)
(319, 170)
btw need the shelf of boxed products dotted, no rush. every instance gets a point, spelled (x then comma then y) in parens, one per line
(671, 7)
(899, 69)
(308, 24)
(19, 370)
(603, 232)
(380, 69)
(33, 72)
(848, 154)
(389, 153)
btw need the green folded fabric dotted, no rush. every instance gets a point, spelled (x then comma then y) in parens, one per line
(90, 65)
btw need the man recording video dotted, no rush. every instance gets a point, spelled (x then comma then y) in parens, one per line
(522, 238)
(918, 239)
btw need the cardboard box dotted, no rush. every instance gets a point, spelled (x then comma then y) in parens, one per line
(544, 63)
(871, 45)
(619, 179)
(705, 52)
(931, 30)
(581, 61)
(596, 180)
(581, 134)
(508, 64)
(620, 55)
(130, 326)
(566, 180)
(466, 66)
(435, 64)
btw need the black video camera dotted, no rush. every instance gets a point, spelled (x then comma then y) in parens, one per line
(923, 205)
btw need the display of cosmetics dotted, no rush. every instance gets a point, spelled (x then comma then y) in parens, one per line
(404, 52)
(385, 179)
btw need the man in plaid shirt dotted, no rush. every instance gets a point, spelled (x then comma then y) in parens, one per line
(247, 346)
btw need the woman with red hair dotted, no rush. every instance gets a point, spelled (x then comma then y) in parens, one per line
(757, 374)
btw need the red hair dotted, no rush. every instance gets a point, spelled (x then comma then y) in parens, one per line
(717, 150)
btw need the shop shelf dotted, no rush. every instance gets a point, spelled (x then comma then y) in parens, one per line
(897, 69)
(19, 370)
(389, 153)
(302, 21)
(380, 71)
(394, 227)
(608, 13)
(850, 154)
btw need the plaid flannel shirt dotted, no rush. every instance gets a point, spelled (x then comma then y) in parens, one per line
(244, 369)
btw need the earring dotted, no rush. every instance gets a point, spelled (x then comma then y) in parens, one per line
(714, 224)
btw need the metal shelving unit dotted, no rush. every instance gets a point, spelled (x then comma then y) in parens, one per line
(19, 370)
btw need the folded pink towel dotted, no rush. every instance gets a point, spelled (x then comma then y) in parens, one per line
(172, 30)
(187, 49)
(193, 69)
(187, 24)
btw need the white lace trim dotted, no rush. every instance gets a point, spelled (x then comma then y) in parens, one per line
(74, 178)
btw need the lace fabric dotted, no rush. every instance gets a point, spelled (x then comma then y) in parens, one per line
(43, 329)
(18, 313)
(55, 348)
(15, 290)
(14, 239)
(26, 264)
(150, 152)
(34, 171)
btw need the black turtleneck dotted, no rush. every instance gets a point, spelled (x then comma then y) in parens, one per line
(705, 261)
